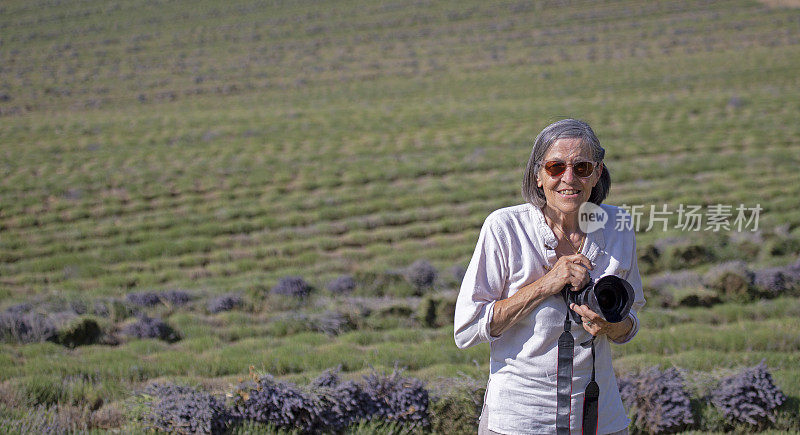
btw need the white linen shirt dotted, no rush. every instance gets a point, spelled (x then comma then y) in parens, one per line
(515, 248)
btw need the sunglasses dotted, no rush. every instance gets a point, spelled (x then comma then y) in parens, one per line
(554, 168)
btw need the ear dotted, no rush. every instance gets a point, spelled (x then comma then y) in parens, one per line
(538, 180)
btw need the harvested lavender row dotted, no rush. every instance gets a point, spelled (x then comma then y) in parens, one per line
(329, 405)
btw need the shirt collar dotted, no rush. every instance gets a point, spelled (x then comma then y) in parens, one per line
(592, 247)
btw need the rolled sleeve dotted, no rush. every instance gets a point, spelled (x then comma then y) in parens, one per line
(634, 329)
(482, 286)
(635, 280)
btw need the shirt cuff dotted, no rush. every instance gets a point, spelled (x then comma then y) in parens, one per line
(485, 323)
(634, 329)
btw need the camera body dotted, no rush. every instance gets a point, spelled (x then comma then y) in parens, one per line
(610, 296)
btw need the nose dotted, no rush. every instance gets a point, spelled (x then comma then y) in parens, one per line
(568, 174)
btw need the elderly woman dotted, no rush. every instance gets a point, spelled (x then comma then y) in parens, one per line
(512, 294)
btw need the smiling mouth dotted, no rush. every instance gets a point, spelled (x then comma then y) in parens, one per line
(569, 192)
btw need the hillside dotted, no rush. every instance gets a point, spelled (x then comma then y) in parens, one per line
(215, 148)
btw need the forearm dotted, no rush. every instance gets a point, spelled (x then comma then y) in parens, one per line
(509, 311)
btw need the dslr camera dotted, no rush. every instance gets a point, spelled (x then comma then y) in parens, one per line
(610, 296)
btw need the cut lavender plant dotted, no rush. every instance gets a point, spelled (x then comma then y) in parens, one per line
(294, 286)
(342, 285)
(147, 327)
(772, 281)
(282, 404)
(48, 420)
(151, 299)
(749, 396)
(327, 379)
(397, 398)
(22, 327)
(344, 404)
(331, 323)
(657, 401)
(421, 275)
(181, 409)
(143, 299)
(176, 297)
(225, 302)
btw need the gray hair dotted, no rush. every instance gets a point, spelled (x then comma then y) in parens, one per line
(564, 129)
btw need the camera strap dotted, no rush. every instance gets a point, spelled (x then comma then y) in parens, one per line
(566, 353)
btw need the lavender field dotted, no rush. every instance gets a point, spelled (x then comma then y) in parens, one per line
(253, 216)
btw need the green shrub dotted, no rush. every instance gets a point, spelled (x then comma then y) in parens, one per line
(436, 311)
(732, 281)
(686, 255)
(383, 284)
(79, 332)
(458, 411)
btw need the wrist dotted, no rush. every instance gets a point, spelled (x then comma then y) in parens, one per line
(621, 329)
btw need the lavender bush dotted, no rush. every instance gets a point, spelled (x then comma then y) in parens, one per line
(181, 409)
(398, 398)
(148, 327)
(330, 405)
(343, 403)
(177, 297)
(143, 299)
(749, 396)
(772, 281)
(151, 299)
(25, 327)
(294, 286)
(657, 401)
(48, 420)
(421, 275)
(344, 284)
(282, 404)
(225, 302)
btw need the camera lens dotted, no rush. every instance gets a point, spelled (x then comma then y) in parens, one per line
(611, 297)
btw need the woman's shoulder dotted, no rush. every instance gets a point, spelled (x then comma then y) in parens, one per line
(507, 215)
(619, 222)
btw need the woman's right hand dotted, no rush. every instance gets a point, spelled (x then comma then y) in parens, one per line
(569, 270)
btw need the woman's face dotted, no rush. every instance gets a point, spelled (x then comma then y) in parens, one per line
(566, 192)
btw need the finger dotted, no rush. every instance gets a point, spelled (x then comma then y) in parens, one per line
(585, 311)
(591, 315)
(580, 259)
(579, 276)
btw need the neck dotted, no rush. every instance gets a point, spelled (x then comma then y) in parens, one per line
(568, 223)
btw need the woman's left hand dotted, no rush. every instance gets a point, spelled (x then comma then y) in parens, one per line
(594, 323)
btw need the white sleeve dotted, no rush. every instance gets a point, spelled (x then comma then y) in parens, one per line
(635, 280)
(482, 286)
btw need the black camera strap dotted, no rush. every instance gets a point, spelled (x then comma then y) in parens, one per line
(566, 353)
